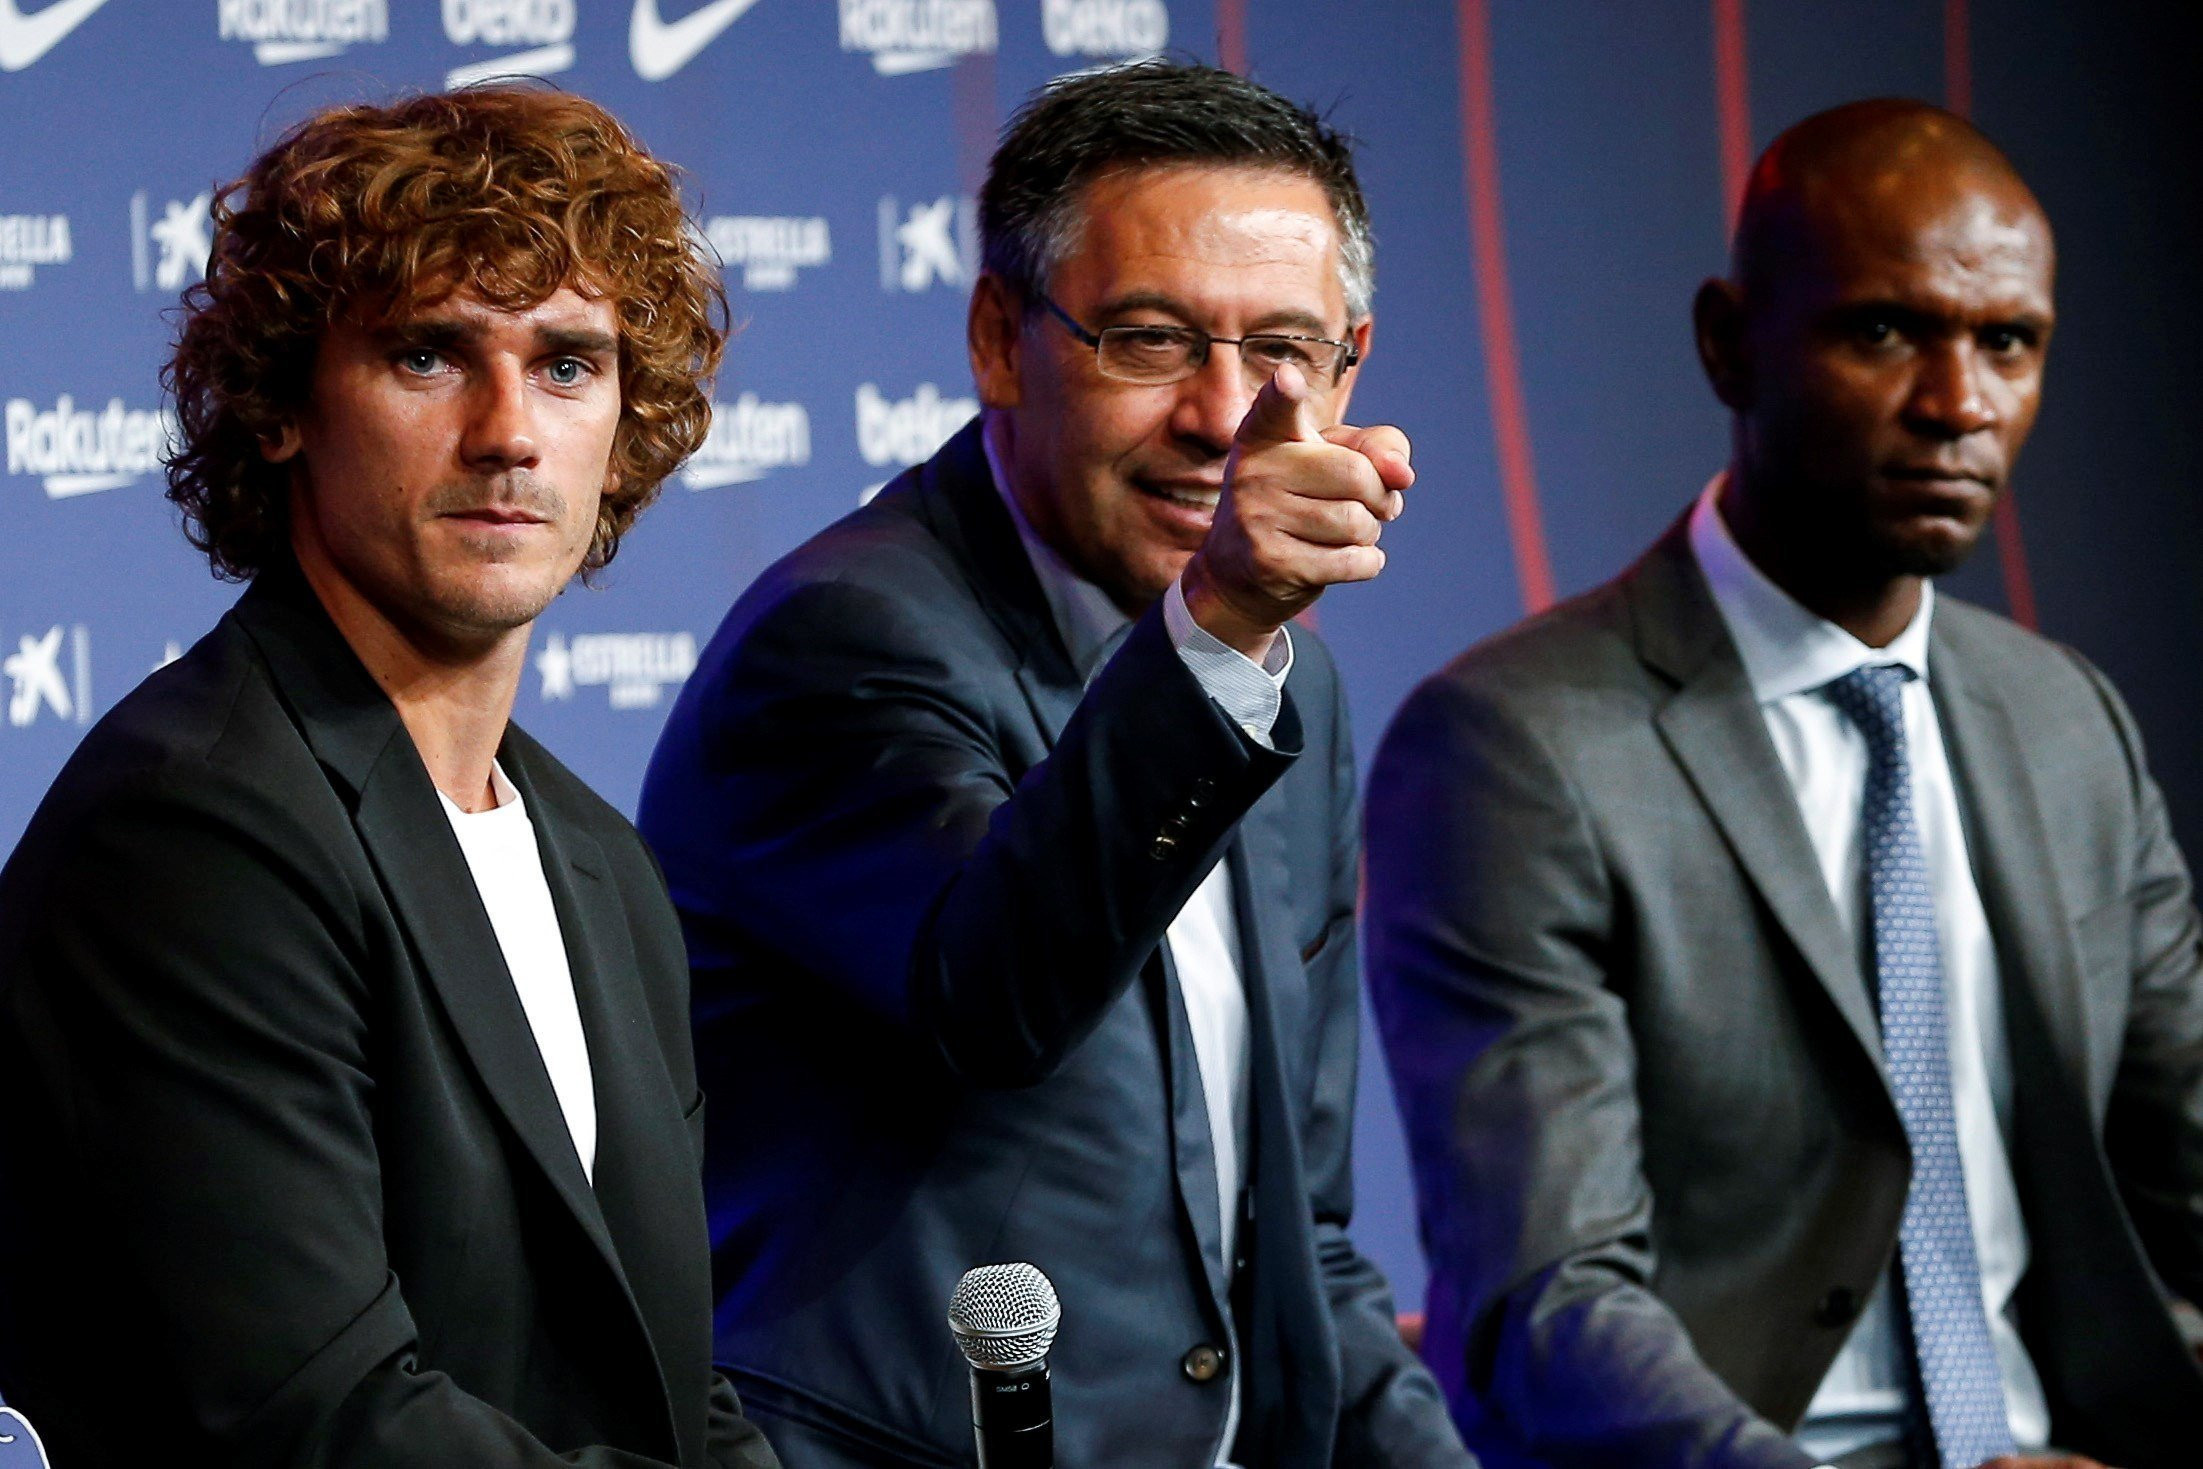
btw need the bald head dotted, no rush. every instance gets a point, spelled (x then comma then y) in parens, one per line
(1880, 339)
(1875, 166)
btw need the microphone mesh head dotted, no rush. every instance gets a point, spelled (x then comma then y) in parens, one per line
(1004, 1316)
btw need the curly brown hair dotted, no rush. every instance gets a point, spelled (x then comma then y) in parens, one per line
(372, 212)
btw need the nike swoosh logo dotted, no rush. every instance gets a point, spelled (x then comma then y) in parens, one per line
(659, 49)
(25, 38)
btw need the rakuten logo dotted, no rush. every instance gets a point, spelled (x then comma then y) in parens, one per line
(748, 440)
(904, 36)
(77, 451)
(284, 31)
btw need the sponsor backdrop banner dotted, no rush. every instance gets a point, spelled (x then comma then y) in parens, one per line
(1549, 183)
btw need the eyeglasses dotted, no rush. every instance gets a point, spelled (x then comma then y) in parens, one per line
(1168, 354)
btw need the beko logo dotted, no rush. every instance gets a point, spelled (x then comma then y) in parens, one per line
(28, 241)
(768, 250)
(284, 31)
(748, 439)
(25, 38)
(904, 36)
(544, 26)
(78, 451)
(659, 47)
(908, 430)
(1105, 27)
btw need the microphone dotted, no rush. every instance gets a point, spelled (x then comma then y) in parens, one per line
(1004, 1319)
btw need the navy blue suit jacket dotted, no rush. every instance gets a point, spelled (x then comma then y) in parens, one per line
(924, 877)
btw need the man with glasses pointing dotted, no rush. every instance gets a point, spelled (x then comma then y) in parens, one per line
(1014, 837)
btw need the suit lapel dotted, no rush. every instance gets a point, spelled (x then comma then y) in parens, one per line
(959, 501)
(357, 736)
(1192, 1151)
(410, 841)
(1713, 727)
(2009, 848)
(1295, 1396)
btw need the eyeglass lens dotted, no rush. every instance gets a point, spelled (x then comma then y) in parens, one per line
(1161, 354)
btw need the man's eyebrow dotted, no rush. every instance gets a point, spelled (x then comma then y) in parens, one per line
(428, 331)
(578, 340)
(447, 332)
(1143, 301)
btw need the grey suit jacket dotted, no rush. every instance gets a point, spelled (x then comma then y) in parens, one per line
(1659, 1165)
(925, 871)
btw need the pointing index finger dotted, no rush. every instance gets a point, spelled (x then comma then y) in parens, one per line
(1282, 413)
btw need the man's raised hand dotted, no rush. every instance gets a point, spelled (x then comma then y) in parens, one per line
(1302, 509)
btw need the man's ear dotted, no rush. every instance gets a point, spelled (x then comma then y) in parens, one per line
(1361, 334)
(282, 446)
(1717, 321)
(995, 331)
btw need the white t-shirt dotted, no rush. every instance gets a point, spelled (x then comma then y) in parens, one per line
(508, 874)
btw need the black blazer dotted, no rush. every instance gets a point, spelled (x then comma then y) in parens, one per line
(924, 875)
(282, 1177)
(1660, 1166)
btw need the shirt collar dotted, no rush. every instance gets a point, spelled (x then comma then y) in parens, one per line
(1785, 648)
(502, 790)
(1085, 617)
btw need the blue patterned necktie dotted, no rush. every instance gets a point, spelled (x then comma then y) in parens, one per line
(1961, 1386)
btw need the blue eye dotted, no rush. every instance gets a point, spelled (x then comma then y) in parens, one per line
(568, 372)
(420, 361)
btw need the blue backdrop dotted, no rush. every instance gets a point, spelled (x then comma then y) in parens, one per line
(1549, 182)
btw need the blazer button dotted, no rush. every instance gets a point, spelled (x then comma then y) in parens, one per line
(1837, 1308)
(1203, 1363)
(1164, 846)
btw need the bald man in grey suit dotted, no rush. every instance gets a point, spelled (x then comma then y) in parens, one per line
(1791, 982)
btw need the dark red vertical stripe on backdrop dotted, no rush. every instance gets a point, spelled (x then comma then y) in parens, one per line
(1732, 80)
(2011, 547)
(1958, 77)
(1231, 35)
(1495, 309)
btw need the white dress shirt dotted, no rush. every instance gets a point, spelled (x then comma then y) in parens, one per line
(1203, 939)
(508, 874)
(1789, 654)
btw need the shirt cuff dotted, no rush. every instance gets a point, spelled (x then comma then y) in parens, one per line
(1249, 693)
